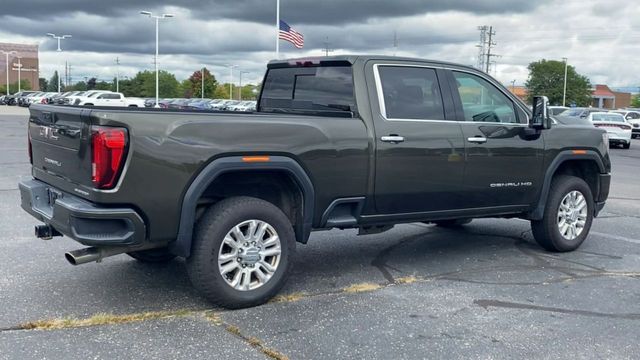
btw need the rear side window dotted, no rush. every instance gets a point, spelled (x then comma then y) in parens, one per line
(411, 93)
(325, 88)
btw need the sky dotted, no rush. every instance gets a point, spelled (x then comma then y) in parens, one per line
(600, 38)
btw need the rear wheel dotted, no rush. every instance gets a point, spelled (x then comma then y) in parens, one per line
(567, 217)
(626, 145)
(242, 251)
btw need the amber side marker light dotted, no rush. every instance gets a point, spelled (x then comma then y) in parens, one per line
(255, 159)
(579, 152)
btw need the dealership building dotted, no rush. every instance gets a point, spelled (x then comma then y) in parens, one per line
(23, 63)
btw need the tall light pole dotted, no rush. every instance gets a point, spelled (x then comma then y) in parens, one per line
(564, 92)
(230, 79)
(157, 19)
(19, 71)
(59, 49)
(6, 54)
(117, 74)
(240, 87)
(202, 80)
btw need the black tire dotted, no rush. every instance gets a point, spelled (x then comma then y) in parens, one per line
(159, 255)
(455, 223)
(546, 231)
(216, 222)
(626, 145)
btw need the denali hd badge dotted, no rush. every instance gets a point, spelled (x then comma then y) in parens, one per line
(511, 184)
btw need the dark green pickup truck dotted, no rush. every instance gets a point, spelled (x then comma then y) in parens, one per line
(337, 142)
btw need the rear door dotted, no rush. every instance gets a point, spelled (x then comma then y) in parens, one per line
(419, 146)
(504, 159)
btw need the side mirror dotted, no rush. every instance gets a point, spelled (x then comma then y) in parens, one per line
(628, 117)
(541, 118)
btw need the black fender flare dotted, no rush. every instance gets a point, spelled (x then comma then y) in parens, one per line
(563, 156)
(182, 245)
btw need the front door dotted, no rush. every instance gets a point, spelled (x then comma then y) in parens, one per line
(419, 146)
(504, 157)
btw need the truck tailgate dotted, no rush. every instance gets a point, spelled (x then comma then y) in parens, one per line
(60, 143)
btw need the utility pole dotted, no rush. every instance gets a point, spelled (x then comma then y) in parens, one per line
(117, 74)
(326, 47)
(513, 86)
(564, 91)
(231, 80)
(490, 43)
(395, 42)
(482, 46)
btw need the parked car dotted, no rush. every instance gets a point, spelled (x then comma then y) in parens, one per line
(221, 104)
(88, 96)
(22, 99)
(179, 104)
(3, 99)
(199, 104)
(633, 118)
(618, 129)
(229, 105)
(245, 106)
(375, 141)
(556, 110)
(581, 112)
(110, 99)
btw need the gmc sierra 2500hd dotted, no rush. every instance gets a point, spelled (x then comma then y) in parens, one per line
(338, 142)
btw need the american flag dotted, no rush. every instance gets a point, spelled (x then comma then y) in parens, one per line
(290, 35)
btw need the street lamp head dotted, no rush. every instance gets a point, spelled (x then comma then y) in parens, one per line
(50, 34)
(167, 15)
(66, 36)
(148, 13)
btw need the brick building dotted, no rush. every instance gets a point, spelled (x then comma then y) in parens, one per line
(603, 97)
(28, 55)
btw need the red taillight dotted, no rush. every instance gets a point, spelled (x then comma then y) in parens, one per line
(109, 146)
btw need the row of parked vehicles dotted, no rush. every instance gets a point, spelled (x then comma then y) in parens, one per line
(116, 99)
(621, 125)
(204, 104)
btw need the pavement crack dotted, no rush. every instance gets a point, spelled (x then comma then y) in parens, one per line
(252, 341)
(513, 305)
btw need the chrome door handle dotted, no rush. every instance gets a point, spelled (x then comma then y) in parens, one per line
(477, 139)
(392, 139)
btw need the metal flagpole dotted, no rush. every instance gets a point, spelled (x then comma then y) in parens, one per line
(277, 29)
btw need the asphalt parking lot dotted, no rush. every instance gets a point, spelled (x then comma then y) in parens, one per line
(417, 291)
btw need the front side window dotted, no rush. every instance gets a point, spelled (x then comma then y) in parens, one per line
(411, 93)
(482, 101)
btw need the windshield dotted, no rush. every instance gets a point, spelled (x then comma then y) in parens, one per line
(608, 117)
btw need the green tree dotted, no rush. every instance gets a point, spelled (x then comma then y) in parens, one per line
(53, 82)
(195, 81)
(635, 101)
(44, 84)
(546, 77)
(13, 88)
(91, 83)
(144, 85)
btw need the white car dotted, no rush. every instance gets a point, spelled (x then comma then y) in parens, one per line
(111, 99)
(633, 118)
(618, 129)
(87, 96)
(245, 106)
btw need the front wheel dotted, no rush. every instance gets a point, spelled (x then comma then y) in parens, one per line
(242, 251)
(568, 215)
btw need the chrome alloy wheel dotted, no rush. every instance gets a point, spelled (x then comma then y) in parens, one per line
(249, 255)
(572, 215)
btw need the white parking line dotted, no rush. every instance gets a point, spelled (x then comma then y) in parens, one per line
(616, 237)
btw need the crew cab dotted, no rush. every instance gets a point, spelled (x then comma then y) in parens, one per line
(362, 142)
(111, 99)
